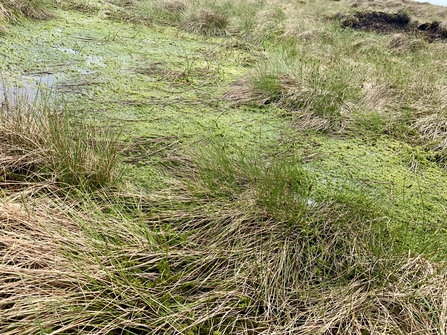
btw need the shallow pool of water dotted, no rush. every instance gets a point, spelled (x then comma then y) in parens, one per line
(25, 88)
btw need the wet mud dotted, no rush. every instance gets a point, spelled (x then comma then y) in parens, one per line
(382, 22)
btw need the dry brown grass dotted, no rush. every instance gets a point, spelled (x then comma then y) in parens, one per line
(175, 6)
(35, 9)
(38, 142)
(285, 91)
(402, 43)
(12, 10)
(242, 91)
(301, 98)
(431, 121)
(433, 130)
(22, 138)
(377, 95)
(207, 22)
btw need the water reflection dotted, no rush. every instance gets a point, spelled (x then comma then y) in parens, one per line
(24, 88)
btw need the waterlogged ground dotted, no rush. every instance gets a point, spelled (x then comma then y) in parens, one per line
(163, 88)
(398, 180)
(154, 82)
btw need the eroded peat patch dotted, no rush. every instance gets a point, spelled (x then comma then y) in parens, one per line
(383, 22)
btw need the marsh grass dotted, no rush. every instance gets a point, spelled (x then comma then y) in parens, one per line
(40, 142)
(307, 89)
(12, 11)
(83, 265)
(279, 186)
(207, 22)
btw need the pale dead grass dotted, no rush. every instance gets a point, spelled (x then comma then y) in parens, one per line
(433, 130)
(242, 91)
(207, 22)
(12, 10)
(270, 22)
(376, 95)
(309, 121)
(431, 120)
(174, 5)
(5, 17)
(39, 142)
(403, 43)
(297, 96)
(22, 137)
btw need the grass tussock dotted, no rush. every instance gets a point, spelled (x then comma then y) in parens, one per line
(316, 94)
(207, 22)
(42, 143)
(279, 187)
(13, 10)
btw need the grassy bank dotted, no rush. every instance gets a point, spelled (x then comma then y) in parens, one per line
(222, 167)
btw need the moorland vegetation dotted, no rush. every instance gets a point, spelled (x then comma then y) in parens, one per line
(224, 167)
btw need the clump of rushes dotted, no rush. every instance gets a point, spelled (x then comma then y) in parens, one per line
(171, 11)
(41, 143)
(207, 22)
(302, 87)
(279, 187)
(79, 266)
(69, 268)
(13, 10)
(35, 9)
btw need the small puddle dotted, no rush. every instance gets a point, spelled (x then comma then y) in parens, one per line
(25, 88)
(93, 60)
(67, 50)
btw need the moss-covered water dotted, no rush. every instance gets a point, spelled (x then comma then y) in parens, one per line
(398, 180)
(156, 82)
